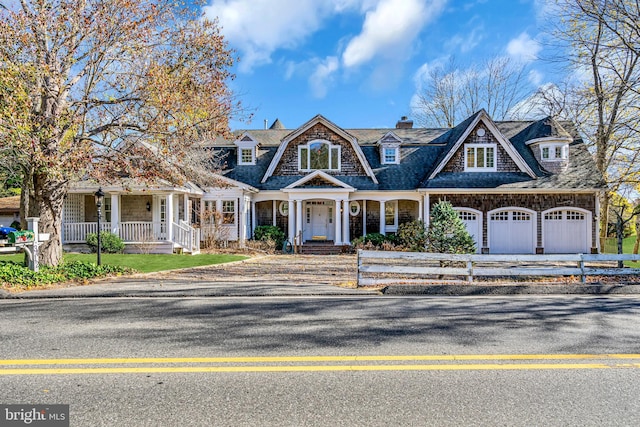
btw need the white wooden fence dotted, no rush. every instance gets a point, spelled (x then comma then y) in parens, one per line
(382, 267)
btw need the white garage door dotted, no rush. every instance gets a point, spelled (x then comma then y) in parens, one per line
(473, 222)
(566, 231)
(512, 232)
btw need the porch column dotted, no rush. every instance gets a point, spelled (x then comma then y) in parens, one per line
(291, 222)
(421, 209)
(427, 209)
(298, 220)
(382, 218)
(242, 221)
(364, 217)
(169, 205)
(274, 206)
(115, 214)
(345, 221)
(338, 223)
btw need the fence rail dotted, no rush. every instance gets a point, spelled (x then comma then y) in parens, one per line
(383, 267)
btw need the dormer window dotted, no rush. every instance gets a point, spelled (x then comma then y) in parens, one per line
(390, 155)
(554, 151)
(480, 157)
(246, 156)
(389, 149)
(247, 148)
(319, 155)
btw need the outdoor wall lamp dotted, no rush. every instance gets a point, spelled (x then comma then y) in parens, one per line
(148, 207)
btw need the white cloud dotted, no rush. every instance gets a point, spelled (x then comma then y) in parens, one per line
(389, 29)
(259, 27)
(524, 48)
(535, 77)
(323, 75)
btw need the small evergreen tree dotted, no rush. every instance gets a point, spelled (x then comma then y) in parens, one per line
(447, 233)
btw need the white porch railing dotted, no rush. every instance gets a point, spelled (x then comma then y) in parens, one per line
(140, 231)
(76, 232)
(137, 232)
(187, 237)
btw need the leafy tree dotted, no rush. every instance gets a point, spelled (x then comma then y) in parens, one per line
(104, 89)
(601, 40)
(413, 235)
(447, 233)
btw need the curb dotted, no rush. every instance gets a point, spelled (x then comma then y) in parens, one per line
(478, 290)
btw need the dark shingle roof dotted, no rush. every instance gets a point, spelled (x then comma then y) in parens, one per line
(421, 151)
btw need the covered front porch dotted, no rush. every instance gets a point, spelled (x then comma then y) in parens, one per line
(158, 220)
(313, 218)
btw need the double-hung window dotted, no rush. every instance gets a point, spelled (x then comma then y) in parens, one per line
(480, 158)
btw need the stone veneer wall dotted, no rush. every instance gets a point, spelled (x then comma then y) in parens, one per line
(351, 166)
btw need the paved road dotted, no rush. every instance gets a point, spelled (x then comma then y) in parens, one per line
(433, 361)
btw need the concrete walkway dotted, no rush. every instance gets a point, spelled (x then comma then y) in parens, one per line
(272, 275)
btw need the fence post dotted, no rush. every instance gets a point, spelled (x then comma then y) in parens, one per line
(358, 275)
(470, 271)
(583, 276)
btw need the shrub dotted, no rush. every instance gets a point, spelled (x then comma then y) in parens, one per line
(447, 233)
(376, 241)
(15, 274)
(413, 236)
(109, 243)
(269, 232)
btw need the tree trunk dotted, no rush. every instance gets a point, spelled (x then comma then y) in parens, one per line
(637, 243)
(620, 237)
(48, 196)
(604, 214)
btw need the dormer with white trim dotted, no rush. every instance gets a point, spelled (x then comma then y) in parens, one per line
(551, 150)
(389, 146)
(247, 150)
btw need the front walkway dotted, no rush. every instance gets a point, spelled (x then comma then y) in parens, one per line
(273, 275)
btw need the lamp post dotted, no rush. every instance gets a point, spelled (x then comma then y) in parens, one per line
(99, 198)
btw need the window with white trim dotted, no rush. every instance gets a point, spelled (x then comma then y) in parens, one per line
(480, 157)
(391, 216)
(246, 156)
(390, 155)
(554, 151)
(229, 212)
(319, 155)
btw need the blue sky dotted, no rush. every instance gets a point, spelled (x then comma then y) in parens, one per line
(358, 62)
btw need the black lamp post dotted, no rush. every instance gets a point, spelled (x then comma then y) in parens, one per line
(99, 198)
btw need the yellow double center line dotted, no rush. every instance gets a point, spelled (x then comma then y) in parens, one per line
(318, 364)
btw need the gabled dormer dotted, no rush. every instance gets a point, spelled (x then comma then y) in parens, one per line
(389, 146)
(319, 145)
(477, 145)
(247, 149)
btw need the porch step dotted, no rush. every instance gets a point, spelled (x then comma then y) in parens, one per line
(320, 248)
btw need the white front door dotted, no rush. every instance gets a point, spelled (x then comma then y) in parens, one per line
(318, 221)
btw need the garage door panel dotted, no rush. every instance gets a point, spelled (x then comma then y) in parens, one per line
(566, 231)
(511, 232)
(473, 223)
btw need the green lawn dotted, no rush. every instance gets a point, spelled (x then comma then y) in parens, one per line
(145, 263)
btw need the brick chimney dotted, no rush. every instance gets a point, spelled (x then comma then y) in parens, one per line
(404, 123)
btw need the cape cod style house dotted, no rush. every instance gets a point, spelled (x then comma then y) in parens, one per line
(519, 186)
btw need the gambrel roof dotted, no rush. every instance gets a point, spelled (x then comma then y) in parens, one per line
(424, 153)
